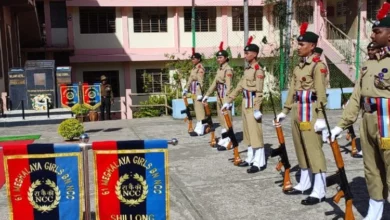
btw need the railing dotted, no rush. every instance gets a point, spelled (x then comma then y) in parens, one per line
(343, 43)
(155, 105)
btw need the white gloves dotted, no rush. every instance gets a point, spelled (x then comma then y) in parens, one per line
(335, 132)
(226, 106)
(319, 125)
(257, 114)
(205, 98)
(280, 117)
(184, 92)
(325, 135)
(199, 98)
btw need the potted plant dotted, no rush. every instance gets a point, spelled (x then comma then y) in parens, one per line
(93, 114)
(70, 129)
(80, 112)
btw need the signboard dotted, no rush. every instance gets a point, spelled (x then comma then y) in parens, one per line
(63, 76)
(69, 95)
(40, 83)
(17, 87)
(92, 95)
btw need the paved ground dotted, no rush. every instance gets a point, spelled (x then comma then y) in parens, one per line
(205, 185)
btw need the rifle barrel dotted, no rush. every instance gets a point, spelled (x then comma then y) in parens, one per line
(326, 118)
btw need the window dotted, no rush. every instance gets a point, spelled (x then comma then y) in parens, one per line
(372, 9)
(97, 20)
(205, 19)
(255, 16)
(58, 15)
(341, 9)
(150, 19)
(112, 79)
(151, 80)
(304, 12)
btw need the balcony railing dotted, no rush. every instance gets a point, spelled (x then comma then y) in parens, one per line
(344, 44)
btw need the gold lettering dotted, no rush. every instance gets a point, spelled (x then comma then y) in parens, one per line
(130, 217)
(154, 173)
(53, 168)
(124, 161)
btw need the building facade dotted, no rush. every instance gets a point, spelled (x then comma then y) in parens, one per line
(124, 39)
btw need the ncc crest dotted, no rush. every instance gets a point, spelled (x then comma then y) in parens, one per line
(131, 190)
(44, 196)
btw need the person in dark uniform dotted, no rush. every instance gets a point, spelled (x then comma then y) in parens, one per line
(107, 98)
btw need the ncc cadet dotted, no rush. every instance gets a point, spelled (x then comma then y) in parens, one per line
(195, 84)
(307, 90)
(372, 94)
(223, 84)
(251, 85)
(107, 98)
(372, 50)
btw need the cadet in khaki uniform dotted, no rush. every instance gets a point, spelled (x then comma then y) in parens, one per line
(223, 84)
(307, 90)
(372, 93)
(251, 85)
(195, 84)
(107, 98)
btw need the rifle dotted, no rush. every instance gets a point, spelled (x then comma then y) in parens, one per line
(230, 133)
(350, 131)
(208, 120)
(282, 152)
(188, 113)
(344, 191)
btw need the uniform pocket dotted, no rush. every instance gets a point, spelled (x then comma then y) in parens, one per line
(306, 82)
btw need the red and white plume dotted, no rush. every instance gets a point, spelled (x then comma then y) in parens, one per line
(221, 46)
(193, 51)
(382, 13)
(249, 40)
(304, 26)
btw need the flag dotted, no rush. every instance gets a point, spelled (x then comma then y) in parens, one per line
(44, 181)
(2, 144)
(91, 95)
(131, 179)
(69, 95)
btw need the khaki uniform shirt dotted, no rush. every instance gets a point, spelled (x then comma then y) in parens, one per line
(369, 85)
(253, 81)
(196, 76)
(106, 90)
(309, 74)
(223, 78)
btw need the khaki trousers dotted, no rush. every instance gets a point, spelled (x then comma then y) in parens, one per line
(253, 129)
(376, 161)
(311, 142)
(199, 108)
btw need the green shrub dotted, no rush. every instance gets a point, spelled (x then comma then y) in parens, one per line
(70, 129)
(80, 109)
(149, 111)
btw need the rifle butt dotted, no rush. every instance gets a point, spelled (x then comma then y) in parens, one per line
(207, 109)
(236, 160)
(338, 196)
(348, 210)
(354, 150)
(190, 128)
(337, 154)
(286, 180)
(279, 132)
(212, 139)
